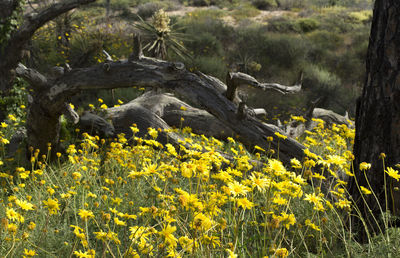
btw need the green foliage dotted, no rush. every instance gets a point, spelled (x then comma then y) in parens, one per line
(308, 24)
(284, 25)
(147, 10)
(264, 4)
(244, 11)
(205, 44)
(211, 65)
(11, 23)
(16, 101)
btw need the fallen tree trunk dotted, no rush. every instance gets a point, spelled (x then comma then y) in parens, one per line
(179, 114)
(202, 91)
(296, 129)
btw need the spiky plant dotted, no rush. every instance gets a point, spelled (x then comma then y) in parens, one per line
(162, 36)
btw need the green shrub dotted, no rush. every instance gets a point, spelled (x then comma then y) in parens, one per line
(320, 83)
(244, 11)
(289, 4)
(148, 9)
(264, 4)
(199, 2)
(326, 40)
(205, 44)
(308, 24)
(283, 24)
(214, 66)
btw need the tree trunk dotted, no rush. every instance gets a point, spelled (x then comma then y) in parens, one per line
(11, 51)
(378, 118)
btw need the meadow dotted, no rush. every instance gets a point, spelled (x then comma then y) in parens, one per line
(207, 197)
(136, 197)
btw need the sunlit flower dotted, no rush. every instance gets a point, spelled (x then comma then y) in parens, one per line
(85, 214)
(167, 234)
(281, 136)
(365, 190)
(393, 173)
(245, 203)
(52, 205)
(364, 166)
(235, 188)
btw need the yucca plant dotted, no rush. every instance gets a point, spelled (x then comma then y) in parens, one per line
(162, 36)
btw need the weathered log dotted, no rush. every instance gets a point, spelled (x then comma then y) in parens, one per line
(295, 129)
(235, 80)
(95, 124)
(124, 117)
(202, 91)
(179, 114)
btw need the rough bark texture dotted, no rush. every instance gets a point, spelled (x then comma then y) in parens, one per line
(6, 8)
(378, 112)
(198, 89)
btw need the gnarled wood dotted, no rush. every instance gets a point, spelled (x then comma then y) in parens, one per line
(201, 91)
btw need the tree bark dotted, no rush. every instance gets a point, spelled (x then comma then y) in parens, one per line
(202, 91)
(378, 117)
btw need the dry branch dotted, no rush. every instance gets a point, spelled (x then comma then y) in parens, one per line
(202, 91)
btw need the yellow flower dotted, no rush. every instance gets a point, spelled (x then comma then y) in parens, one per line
(298, 118)
(365, 166)
(281, 136)
(295, 163)
(343, 203)
(12, 228)
(276, 167)
(235, 188)
(286, 219)
(281, 252)
(393, 173)
(24, 205)
(12, 117)
(259, 148)
(152, 132)
(76, 175)
(167, 234)
(245, 203)
(119, 222)
(312, 225)
(29, 253)
(279, 200)
(12, 214)
(81, 254)
(31, 225)
(365, 190)
(52, 205)
(85, 214)
(231, 254)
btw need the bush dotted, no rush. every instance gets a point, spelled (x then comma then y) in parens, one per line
(148, 9)
(264, 4)
(320, 83)
(244, 11)
(308, 24)
(214, 66)
(283, 24)
(205, 44)
(199, 2)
